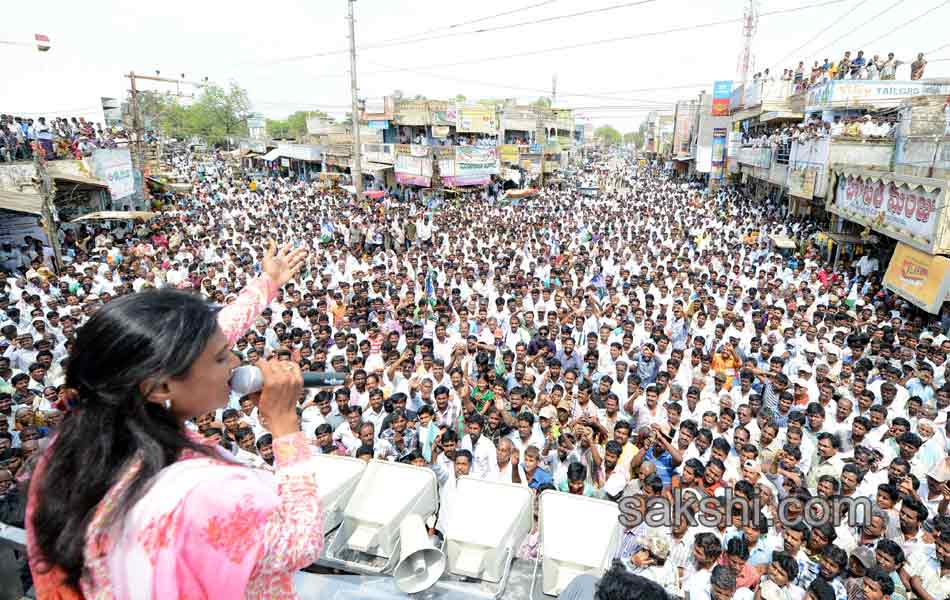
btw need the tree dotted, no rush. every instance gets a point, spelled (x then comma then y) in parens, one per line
(460, 98)
(542, 102)
(216, 115)
(294, 126)
(221, 113)
(607, 135)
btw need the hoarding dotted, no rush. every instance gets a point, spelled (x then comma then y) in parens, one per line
(722, 92)
(476, 118)
(862, 92)
(114, 166)
(919, 277)
(473, 166)
(902, 207)
(801, 181)
(413, 170)
(718, 154)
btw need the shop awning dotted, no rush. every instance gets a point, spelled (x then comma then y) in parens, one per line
(775, 115)
(117, 215)
(781, 241)
(79, 179)
(921, 278)
(373, 167)
(26, 202)
(272, 155)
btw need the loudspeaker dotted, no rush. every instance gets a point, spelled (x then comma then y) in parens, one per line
(483, 548)
(420, 563)
(337, 477)
(564, 553)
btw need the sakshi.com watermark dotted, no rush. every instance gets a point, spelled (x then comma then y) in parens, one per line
(729, 509)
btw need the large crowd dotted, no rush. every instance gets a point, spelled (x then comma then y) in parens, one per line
(636, 345)
(59, 137)
(857, 66)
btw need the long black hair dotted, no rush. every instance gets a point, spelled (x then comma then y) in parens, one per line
(128, 342)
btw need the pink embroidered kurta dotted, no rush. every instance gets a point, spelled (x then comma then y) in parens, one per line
(207, 527)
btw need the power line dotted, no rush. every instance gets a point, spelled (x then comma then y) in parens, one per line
(495, 84)
(601, 41)
(899, 27)
(410, 38)
(819, 34)
(455, 34)
(852, 30)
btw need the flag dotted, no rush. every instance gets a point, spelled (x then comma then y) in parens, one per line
(598, 282)
(42, 42)
(326, 232)
(430, 285)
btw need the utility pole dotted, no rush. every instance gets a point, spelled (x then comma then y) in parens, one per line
(553, 90)
(357, 169)
(750, 22)
(138, 126)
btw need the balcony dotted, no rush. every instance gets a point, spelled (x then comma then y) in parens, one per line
(755, 157)
(812, 158)
(923, 156)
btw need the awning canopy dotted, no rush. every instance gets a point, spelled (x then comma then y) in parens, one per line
(775, 115)
(272, 155)
(117, 215)
(783, 242)
(26, 202)
(79, 179)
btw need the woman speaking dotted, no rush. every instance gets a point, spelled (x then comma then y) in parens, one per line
(126, 503)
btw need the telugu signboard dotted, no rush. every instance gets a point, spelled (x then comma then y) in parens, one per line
(473, 166)
(722, 92)
(115, 168)
(413, 170)
(902, 207)
(477, 118)
(861, 92)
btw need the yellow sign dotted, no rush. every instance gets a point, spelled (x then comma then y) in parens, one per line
(801, 182)
(476, 119)
(508, 153)
(922, 278)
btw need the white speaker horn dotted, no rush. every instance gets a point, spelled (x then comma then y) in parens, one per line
(420, 563)
(337, 477)
(483, 548)
(385, 495)
(564, 553)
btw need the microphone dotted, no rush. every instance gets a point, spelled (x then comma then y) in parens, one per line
(249, 379)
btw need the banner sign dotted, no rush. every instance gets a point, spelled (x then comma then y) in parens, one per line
(476, 119)
(412, 112)
(801, 181)
(115, 167)
(508, 153)
(378, 124)
(413, 170)
(442, 113)
(718, 153)
(474, 165)
(857, 92)
(722, 93)
(898, 206)
(440, 131)
(919, 277)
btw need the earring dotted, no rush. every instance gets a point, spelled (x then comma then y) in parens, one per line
(168, 404)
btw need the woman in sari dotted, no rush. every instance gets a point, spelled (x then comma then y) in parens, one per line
(126, 503)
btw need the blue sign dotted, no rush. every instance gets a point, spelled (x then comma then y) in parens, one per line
(378, 124)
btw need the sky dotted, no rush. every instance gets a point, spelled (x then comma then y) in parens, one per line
(292, 55)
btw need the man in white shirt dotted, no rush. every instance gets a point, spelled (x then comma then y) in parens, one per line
(482, 449)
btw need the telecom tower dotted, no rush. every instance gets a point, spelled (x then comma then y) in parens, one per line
(750, 22)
